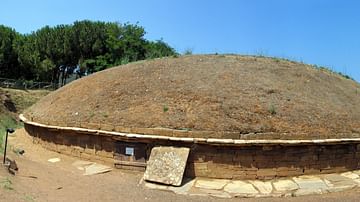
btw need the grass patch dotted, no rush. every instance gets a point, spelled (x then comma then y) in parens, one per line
(272, 109)
(327, 69)
(276, 59)
(7, 184)
(28, 198)
(165, 108)
(24, 99)
(279, 59)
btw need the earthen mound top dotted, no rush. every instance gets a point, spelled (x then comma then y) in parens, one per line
(220, 96)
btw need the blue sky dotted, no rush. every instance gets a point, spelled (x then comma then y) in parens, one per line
(322, 32)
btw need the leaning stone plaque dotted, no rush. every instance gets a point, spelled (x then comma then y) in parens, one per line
(167, 165)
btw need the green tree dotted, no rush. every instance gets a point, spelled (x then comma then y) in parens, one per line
(158, 49)
(95, 45)
(8, 54)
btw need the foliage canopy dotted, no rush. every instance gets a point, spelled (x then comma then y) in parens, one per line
(94, 45)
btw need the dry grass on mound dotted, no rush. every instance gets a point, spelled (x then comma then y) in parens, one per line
(241, 94)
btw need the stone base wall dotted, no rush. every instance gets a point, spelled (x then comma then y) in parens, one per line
(85, 146)
(268, 162)
(205, 160)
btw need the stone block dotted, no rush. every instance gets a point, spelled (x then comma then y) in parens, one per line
(103, 153)
(122, 129)
(95, 126)
(350, 175)
(89, 151)
(268, 173)
(167, 165)
(285, 185)
(241, 189)
(107, 127)
(86, 156)
(181, 133)
(76, 152)
(288, 173)
(201, 134)
(238, 174)
(336, 182)
(231, 135)
(64, 149)
(163, 132)
(243, 158)
(211, 184)
(200, 166)
(264, 188)
(310, 183)
(107, 145)
(72, 124)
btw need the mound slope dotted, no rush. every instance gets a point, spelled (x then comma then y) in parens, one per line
(252, 96)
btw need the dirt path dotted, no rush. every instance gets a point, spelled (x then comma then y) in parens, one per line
(62, 181)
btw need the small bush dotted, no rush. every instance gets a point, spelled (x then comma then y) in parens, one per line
(277, 60)
(272, 109)
(165, 108)
(188, 51)
(7, 184)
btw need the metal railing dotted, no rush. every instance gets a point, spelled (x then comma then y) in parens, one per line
(23, 84)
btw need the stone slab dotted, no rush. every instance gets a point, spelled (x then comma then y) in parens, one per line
(304, 192)
(95, 168)
(264, 187)
(241, 188)
(151, 185)
(350, 175)
(310, 182)
(184, 188)
(54, 160)
(210, 192)
(210, 184)
(356, 172)
(285, 185)
(357, 181)
(337, 183)
(167, 165)
(309, 185)
(81, 165)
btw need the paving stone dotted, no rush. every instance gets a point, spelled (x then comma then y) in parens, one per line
(264, 187)
(81, 165)
(310, 182)
(54, 160)
(304, 192)
(210, 184)
(167, 165)
(151, 185)
(357, 181)
(285, 185)
(356, 172)
(96, 168)
(350, 175)
(241, 188)
(184, 188)
(216, 193)
(337, 183)
(309, 185)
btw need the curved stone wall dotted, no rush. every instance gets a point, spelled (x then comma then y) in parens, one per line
(214, 158)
